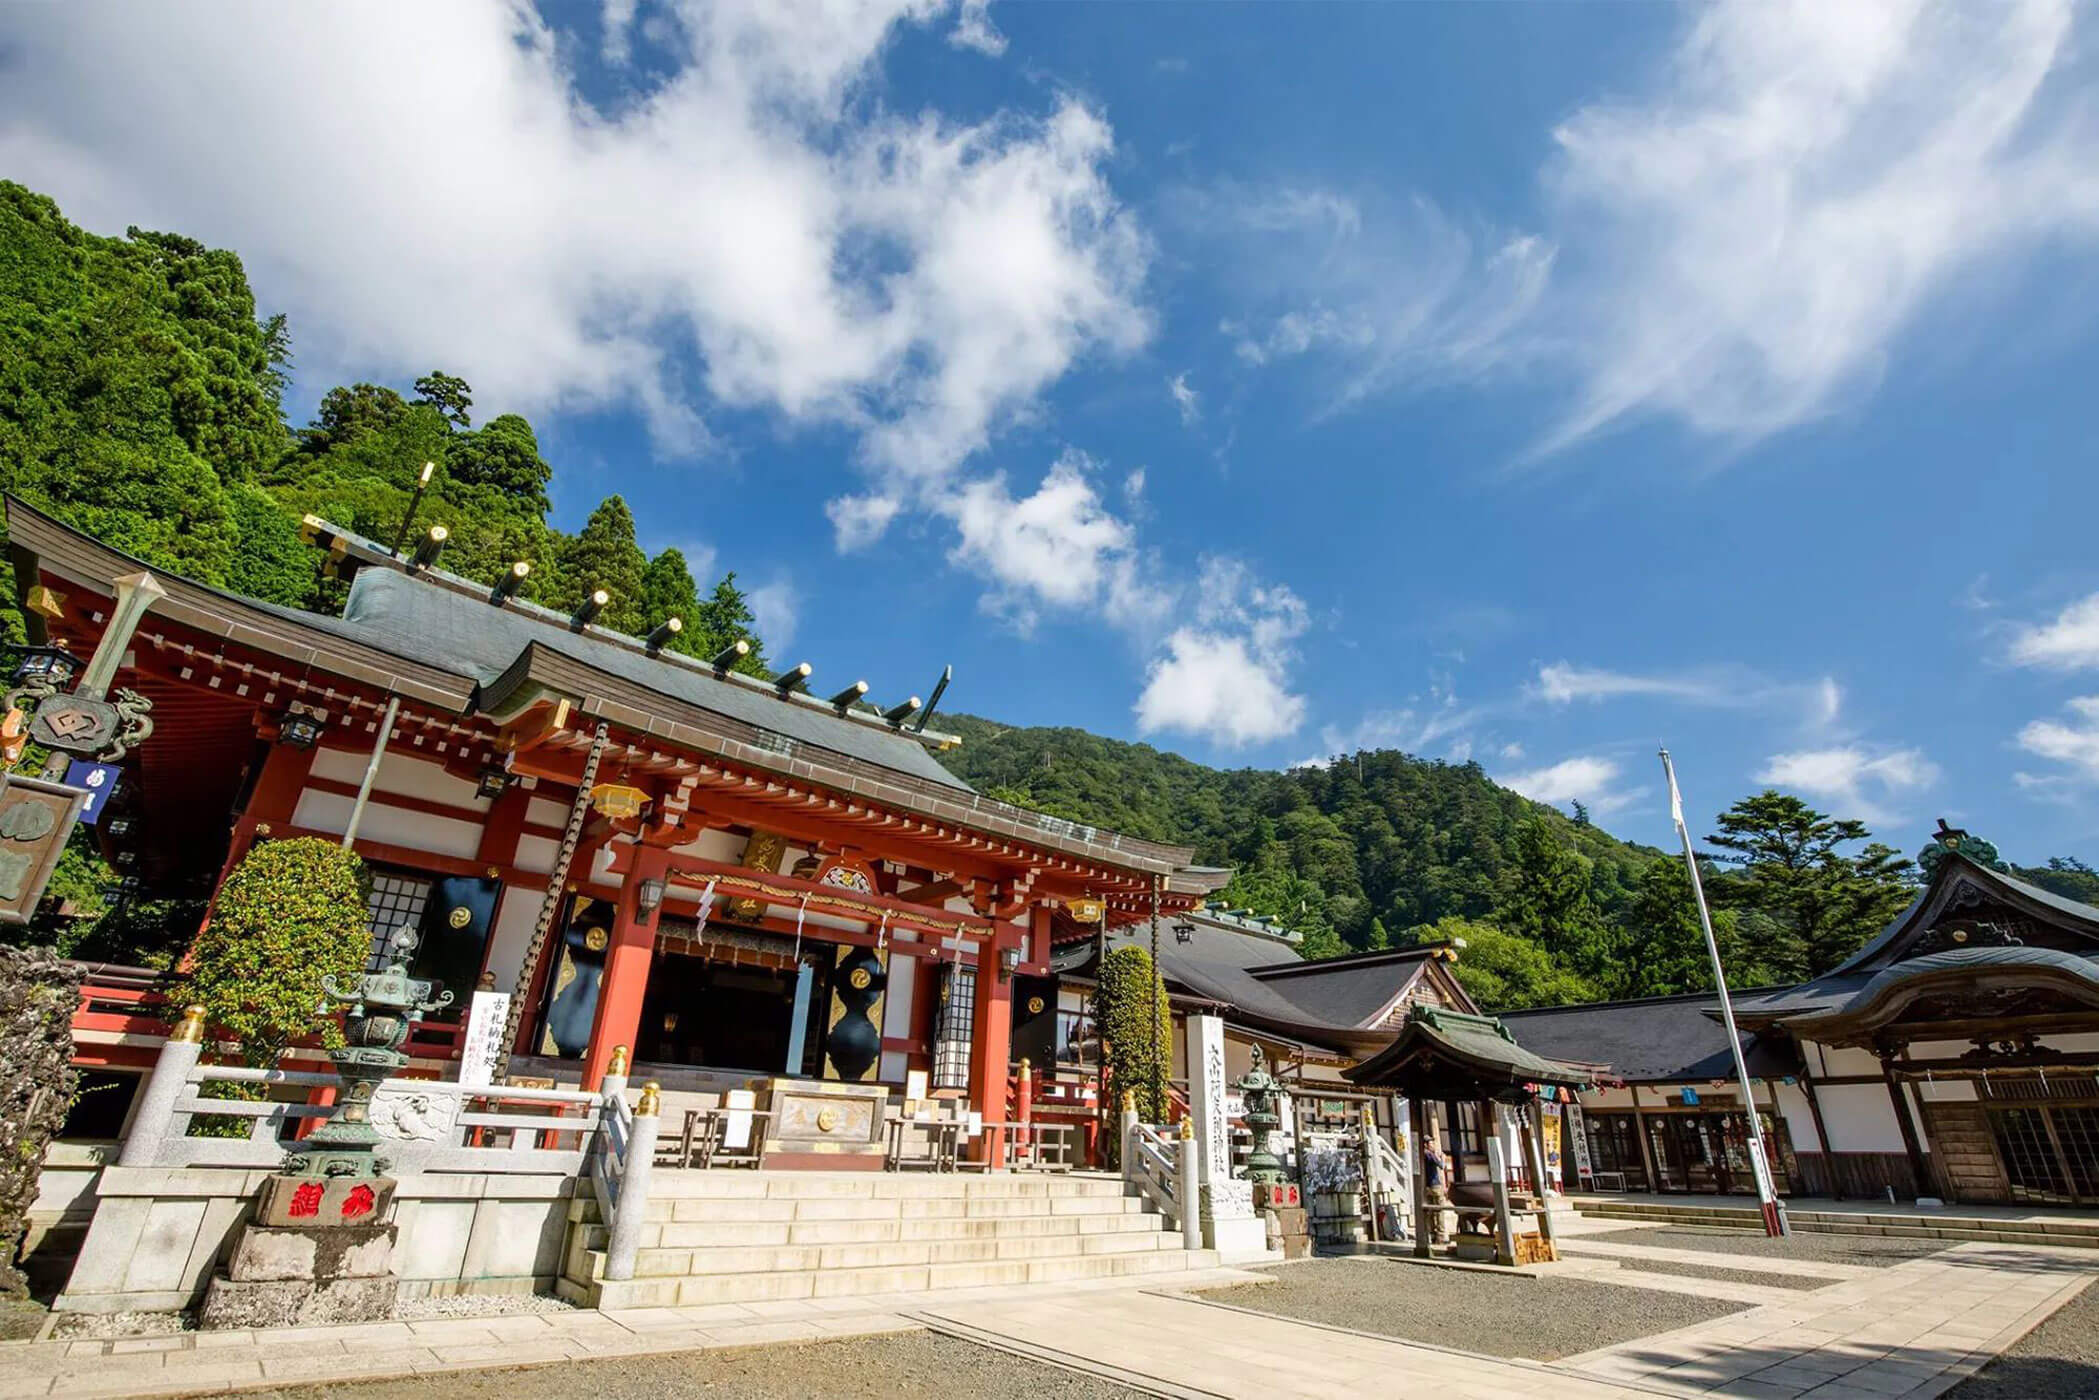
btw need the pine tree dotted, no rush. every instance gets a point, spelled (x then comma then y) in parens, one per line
(726, 617)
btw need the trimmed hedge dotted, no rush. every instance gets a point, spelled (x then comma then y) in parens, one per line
(1138, 1051)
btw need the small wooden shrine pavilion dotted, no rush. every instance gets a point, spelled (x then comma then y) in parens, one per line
(1456, 1060)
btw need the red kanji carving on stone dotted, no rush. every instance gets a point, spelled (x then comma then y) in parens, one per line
(358, 1202)
(306, 1200)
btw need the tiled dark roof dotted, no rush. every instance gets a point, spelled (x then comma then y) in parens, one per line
(1347, 991)
(1654, 1039)
(1479, 1045)
(445, 628)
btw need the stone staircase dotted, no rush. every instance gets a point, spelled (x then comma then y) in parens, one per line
(1948, 1224)
(727, 1236)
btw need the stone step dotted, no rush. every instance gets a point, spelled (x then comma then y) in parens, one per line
(847, 1282)
(672, 1183)
(700, 1234)
(1951, 1228)
(691, 1209)
(695, 1263)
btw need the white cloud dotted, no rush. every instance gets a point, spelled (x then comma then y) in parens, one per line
(1440, 728)
(1745, 244)
(1589, 779)
(1225, 675)
(859, 521)
(754, 231)
(2074, 742)
(1817, 703)
(1058, 545)
(1186, 400)
(2069, 643)
(974, 30)
(1854, 781)
(1739, 246)
(776, 608)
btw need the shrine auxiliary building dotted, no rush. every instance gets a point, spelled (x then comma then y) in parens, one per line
(733, 877)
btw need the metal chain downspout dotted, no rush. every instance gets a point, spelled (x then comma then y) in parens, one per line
(1156, 1090)
(557, 888)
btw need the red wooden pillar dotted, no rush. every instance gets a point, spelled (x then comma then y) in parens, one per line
(991, 1036)
(626, 975)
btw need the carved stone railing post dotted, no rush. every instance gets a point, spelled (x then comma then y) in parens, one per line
(1189, 1191)
(156, 1119)
(631, 1210)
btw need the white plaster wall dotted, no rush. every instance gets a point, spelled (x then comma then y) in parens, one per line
(543, 811)
(715, 844)
(1824, 1062)
(1800, 1118)
(536, 853)
(512, 930)
(396, 826)
(1860, 1118)
(896, 1012)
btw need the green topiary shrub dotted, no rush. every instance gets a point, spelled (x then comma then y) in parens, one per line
(291, 914)
(1138, 1050)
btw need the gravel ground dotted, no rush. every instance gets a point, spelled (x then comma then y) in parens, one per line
(479, 1305)
(1509, 1315)
(918, 1364)
(1681, 1270)
(1872, 1251)
(2059, 1358)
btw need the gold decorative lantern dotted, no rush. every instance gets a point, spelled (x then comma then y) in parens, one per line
(617, 800)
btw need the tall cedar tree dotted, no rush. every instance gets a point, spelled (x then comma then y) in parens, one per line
(604, 555)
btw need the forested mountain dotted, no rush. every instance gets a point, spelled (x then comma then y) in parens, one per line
(1381, 848)
(141, 398)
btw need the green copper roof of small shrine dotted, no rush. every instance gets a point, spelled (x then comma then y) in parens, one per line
(1471, 1051)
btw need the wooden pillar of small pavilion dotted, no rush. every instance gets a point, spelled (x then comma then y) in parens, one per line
(1540, 1173)
(627, 957)
(1417, 1123)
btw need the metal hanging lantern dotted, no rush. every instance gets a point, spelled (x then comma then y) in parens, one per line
(617, 800)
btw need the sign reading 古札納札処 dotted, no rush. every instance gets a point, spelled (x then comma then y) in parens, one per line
(482, 1044)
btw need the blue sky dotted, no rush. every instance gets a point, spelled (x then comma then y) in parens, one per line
(1533, 384)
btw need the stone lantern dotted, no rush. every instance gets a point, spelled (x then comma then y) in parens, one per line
(319, 1248)
(1262, 1094)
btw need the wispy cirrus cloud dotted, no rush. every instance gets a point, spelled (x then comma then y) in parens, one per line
(1817, 703)
(1593, 780)
(2067, 642)
(1856, 782)
(2072, 742)
(1736, 246)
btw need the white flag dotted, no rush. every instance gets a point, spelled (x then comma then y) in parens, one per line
(1676, 800)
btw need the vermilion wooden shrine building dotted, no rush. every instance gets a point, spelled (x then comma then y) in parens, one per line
(757, 880)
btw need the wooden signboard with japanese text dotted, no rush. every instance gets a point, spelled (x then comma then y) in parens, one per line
(36, 817)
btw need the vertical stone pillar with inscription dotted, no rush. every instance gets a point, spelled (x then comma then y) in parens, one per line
(1229, 1223)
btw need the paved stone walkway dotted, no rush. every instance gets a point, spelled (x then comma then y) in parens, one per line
(210, 1363)
(1913, 1330)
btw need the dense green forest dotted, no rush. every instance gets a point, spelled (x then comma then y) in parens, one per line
(142, 398)
(1380, 849)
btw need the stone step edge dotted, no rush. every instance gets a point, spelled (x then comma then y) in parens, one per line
(592, 1293)
(1157, 1244)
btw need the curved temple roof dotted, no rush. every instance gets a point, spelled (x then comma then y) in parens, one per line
(1451, 1054)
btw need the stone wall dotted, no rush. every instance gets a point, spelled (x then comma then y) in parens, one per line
(38, 996)
(159, 1232)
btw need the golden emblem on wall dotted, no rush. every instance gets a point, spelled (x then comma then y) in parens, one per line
(1034, 1006)
(860, 978)
(460, 916)
(595, 939)
(827, 1120)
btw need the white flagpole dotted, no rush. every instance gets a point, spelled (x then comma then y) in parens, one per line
(1775, 1222)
